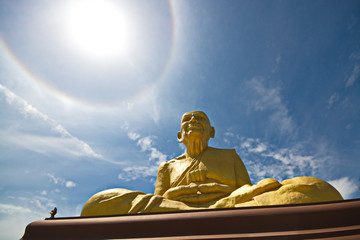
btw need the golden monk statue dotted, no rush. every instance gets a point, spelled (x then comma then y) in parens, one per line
(206, 177)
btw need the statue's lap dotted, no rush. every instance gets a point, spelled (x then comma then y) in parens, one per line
(266, 192)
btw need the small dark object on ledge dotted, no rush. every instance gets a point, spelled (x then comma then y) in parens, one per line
(53, 213)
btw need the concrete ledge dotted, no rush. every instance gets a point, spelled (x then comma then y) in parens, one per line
(331, 220)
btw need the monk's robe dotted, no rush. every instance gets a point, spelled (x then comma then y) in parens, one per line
(214, 174)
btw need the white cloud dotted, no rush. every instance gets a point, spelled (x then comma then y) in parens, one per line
(15, 217)
(133, 173)
(230, 134)
(145, 143)
(47, 145)
(125, 126)
(12, 209)
(60, 181)
(345, 186)
(70, 184)
(277, 62)
(332, 99)
(253, 145)
(156, 154)
(38, 202)
(227, 135)
(54, 179)
(264, 160)
(12, 226)
(29, 111)
(156, 157)
(152, 105)
(133, 135)
(345, 101)
(354, 75)
(355, 55)
(268, 98)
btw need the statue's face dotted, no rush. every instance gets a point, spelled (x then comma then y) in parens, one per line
(195, 124)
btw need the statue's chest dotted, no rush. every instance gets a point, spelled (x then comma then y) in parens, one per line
(221, 170)
(213, 169)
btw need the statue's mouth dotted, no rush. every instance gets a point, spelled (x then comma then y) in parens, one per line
(194, 126)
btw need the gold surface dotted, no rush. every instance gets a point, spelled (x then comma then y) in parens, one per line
(206, 177)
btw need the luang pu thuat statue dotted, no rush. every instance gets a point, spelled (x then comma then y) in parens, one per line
(206, 177)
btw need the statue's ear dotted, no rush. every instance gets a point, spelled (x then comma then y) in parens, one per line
(212, 132)
(179, 137)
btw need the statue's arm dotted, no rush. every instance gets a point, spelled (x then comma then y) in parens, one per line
(242, 175)
(163, 179)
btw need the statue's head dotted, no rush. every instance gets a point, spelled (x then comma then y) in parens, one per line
(195, 125)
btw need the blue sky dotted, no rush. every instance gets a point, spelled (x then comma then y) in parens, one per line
(91, 94)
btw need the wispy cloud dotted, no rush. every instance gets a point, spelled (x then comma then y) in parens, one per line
(146, 144)
(13, 209)
(265, 160)
(20, 211)
(15, 217)
(60, 181)
(277, 62)
(28, 110)
(136, 172)
(37, 203)
(46, 145)
(254, 145)
(354, 75)
(345, 186)
(70, 184)
(133, 135)
(332, 99)
(155, 156)
(268, 98)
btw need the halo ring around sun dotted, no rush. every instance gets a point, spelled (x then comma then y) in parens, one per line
(74, 99)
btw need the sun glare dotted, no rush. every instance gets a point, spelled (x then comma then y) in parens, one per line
(98, 28)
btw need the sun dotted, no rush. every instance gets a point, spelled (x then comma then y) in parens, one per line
(98, 28)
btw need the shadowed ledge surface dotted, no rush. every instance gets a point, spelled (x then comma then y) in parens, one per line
(331, 220)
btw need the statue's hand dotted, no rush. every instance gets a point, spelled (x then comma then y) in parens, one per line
(215, 187)
(178, 192)
(206, 192)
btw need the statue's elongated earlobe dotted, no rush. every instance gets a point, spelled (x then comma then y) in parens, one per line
(212, 132)
(179, 137)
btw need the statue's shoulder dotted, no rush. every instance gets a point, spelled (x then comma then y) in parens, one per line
(221, 150)
(221, 153)
(174, 160)
(181, 157)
